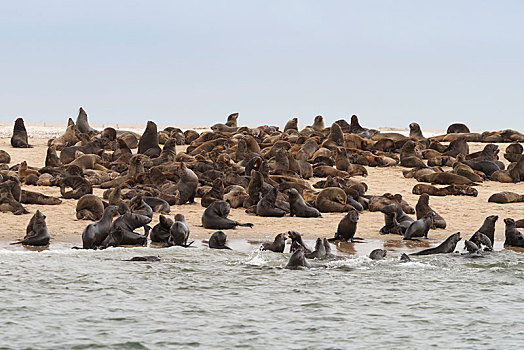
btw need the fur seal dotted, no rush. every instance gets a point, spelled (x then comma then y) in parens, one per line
(89, 207)
(506, 197)
(37, 233)
(76, 181)
(292, 124)
(95, 233)
(5, 158)
(318, 123)
(186, 186)
(455, 190)
(138, 206)
(218, 240)
(517, 171)
(404, 258)
(19, 138)
(179, 232)
(148, 143)
(30, 197)
(319, 252)
(216, 193)
(513, 237)
(458, 128)
(266, 206)
(420, 228)
(377, 254)
(298, 261)
(161, 231)
(471, 247)
(127, 223)
(298, 206)
(297, 241)
(82, 124)
(448, 246)
(409, 156)
(347, 227)
(520, 223)
(481, 238)
(415, 132)
(422, 209)
(215, 217)
(396, 221)
(445, 178)
(51, 158)
(332, 199)
(277, 245)
(487, 228)
(8, 202)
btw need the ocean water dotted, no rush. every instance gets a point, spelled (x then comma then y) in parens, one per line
(215, 299)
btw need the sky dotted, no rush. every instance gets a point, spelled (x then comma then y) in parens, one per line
(195, 62)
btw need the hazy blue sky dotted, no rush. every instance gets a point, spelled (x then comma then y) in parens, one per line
(195, 62)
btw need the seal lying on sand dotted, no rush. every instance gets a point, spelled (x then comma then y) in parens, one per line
(37, 233)
(298, 261)
(215, 217)
(448, 246)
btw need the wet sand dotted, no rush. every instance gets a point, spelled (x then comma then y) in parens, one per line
(462, 213)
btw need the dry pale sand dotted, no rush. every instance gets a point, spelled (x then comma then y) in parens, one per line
(464, 214)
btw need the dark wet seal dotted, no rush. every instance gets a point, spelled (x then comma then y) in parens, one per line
(145, 258)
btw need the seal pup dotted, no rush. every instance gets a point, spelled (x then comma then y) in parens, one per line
(448, 246)
(179, 232)
(148, 143)
(161, 231)
(377, 254)
(37, 233)
(19, 138)
(215, 217)
(218, 240)
(319, 252)
(95, 233)
(347, 227)
(422, 209)
(487, 228)
(481, 238)
(420, 228)
(277, 245)
(471, 247)
(298, 206)
(297, 261)
(513, 237)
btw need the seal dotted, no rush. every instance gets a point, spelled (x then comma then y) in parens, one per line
(37, 233)
(420, 228)
(409, 156)
(216, 193)
(51, 158)
(5, 158)
(404, 258)
(377, 254)
(127, 223)
(471, 247)
(296, 241)
(161, 231)
(454, 190)
(506, 197)
(82, 124)
(297, 261)
(332, 199)
(448, 246)
(396, 221)
(89, 207)
(266, 206)
(149, 258)
(318, 123)
(520, 223)
(458, 128)
(215, 217)
(30, 197)
(138, 206)
(513, 237)
(457, 146)
(76, 181)
(487, 228)
(481, 238)
(8, 202)
(445, 178)
(158, 205)
(179, 232)
(298, 206)
(19, 138)
(415, 132)
(319, 252)
(277, 245)
(292, 124)
(186, 186)
(95, 233)
(347, 227)
(218, 240)
(422, 209)
(517, 171)
(148, 143)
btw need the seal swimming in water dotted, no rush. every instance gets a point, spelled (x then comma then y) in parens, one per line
(218, 240)
(37, 233)
(448, 246)
(215, 217)
(481, 238)
(377, 254)
(471, 247)
(319, 252)
(420, 228)
(513, 237)
(19, 138)
(298, 261)
(95, 233)
(277, 245)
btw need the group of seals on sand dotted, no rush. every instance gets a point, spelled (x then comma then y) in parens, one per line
(262, 169)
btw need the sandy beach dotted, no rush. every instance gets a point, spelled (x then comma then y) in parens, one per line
(464, 214)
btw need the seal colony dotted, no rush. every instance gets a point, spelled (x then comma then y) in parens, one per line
(317, 172)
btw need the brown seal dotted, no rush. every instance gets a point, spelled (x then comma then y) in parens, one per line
(179, 232)
(19, 138)
(446, 247)
(161, 231)
(487, 228)
(267, 205)
(138, 206)
(215, 217)
(79, 185)
(186, 186)
(377, 254)
(318, 123)
(109, 133)
(422, 209)
(123, 228)
(409, 156)
(277, 245)
(148, 143)
(5, 158)
(513, 237)
(460, 145)
(517, 171)
(415, 132)
(519, 223)
(216, 193)
(299, 207)
(445, 178)
(506, 197)
(420, 228)
(332, 199)
(30, 197)
(51, 158)
(395, 220)
(89, 207)
(218, 240)
(95, 233)
(8, 201)
(82, 124)
(292, 124)
(347, 227)
(37, 233)
(458, 128)
(455, 190)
